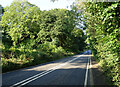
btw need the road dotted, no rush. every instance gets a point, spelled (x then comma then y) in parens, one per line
(72, 71)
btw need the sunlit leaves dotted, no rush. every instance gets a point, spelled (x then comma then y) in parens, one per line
(103, 35)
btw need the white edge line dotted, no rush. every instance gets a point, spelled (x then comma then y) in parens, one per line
(43, 73)
(86, 75)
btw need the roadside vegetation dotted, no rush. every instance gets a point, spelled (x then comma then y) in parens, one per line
(102, 20)
(31, 36)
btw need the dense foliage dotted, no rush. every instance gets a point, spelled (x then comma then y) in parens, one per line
(31, 36)
(103, 35)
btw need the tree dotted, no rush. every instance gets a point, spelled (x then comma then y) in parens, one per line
(20, 21)
(102, 20)
(31, 35)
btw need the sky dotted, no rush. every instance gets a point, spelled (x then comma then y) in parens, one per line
(43, 4)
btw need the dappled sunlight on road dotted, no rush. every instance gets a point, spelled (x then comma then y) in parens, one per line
(79, 61)
(42, 68)
(62, 70)
(87, 55)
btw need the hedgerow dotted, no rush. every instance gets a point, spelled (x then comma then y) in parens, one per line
(102, 21)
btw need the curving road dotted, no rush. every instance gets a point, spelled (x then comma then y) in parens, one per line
(71, 71)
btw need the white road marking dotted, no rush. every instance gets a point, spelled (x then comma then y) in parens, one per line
(28, 80)
(34, 78)
(86, 75)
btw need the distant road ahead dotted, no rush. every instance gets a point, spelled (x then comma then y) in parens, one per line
(68, 71)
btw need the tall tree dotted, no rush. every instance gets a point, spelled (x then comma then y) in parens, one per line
(20, 21)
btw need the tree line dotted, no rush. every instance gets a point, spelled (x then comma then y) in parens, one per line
(31, 36)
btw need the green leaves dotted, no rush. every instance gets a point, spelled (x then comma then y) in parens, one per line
(51, 34)
(103, 35)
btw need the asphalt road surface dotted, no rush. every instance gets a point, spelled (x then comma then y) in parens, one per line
(71, 71)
